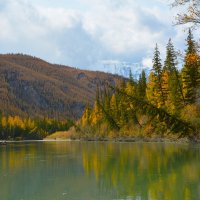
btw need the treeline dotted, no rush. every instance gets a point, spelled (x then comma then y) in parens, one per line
(165, 102)
(17, 128)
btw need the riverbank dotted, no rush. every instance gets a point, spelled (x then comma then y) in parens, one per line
(72, 135)
(65, 136)
(117, 140)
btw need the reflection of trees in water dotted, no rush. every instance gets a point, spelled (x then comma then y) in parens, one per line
(14, 157)
(38, 170)
(151, 171)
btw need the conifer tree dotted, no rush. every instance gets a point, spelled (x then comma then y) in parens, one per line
(157, 66)
(142, 85)
(122, 104)
(130, 87)
(157, 70)
(86, 118)
(96, 113)
(114, 107)
(190, 71)
(171, 58)
(166, 85)
(106, 98)
(172, 88)
(131, 79)
(151, 89)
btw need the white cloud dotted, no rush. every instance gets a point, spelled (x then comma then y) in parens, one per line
(6, 30)
(88, 32)
(147, 62)
(58, 18)
(124, 29)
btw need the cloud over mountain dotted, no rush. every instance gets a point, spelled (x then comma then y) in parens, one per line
(84, 32)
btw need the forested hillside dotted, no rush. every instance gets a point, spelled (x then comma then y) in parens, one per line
(166, 102)
(31, 87)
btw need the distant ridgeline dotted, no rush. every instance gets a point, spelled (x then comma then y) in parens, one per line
(168, 102)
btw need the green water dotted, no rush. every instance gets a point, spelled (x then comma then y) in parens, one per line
(99, 171)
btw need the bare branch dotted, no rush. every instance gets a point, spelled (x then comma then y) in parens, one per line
(191, 15)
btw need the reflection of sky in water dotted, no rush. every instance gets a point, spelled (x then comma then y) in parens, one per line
(99, 171)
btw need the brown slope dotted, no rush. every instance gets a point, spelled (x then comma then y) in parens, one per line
(31, 86)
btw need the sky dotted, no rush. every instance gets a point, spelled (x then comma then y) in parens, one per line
(87, 33)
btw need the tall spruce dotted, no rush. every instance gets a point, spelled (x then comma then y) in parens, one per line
(142, 85)
(171, 58)
(157, 70)
(172, 87)
(190, 71)
(191, 44)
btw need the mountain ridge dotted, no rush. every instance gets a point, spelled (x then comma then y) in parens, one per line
(30, 86)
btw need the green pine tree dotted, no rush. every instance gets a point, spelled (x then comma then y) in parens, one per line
(171, 58)
(190, 71)
(172, 87)
(157, 70)
(142, 85)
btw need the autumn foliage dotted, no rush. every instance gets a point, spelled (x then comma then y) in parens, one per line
(17, 128)
(164, 103)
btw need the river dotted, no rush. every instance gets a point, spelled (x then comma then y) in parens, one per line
(99, 171)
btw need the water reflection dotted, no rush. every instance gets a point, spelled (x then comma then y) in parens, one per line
(78, 170)
(148, 171)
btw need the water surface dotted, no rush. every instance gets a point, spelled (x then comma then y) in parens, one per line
(99, 171)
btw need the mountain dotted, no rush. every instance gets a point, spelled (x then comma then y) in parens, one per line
(32, 87)
(121, 68)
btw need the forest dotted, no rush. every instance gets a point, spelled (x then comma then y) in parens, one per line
(18, 128)
(164, 103)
